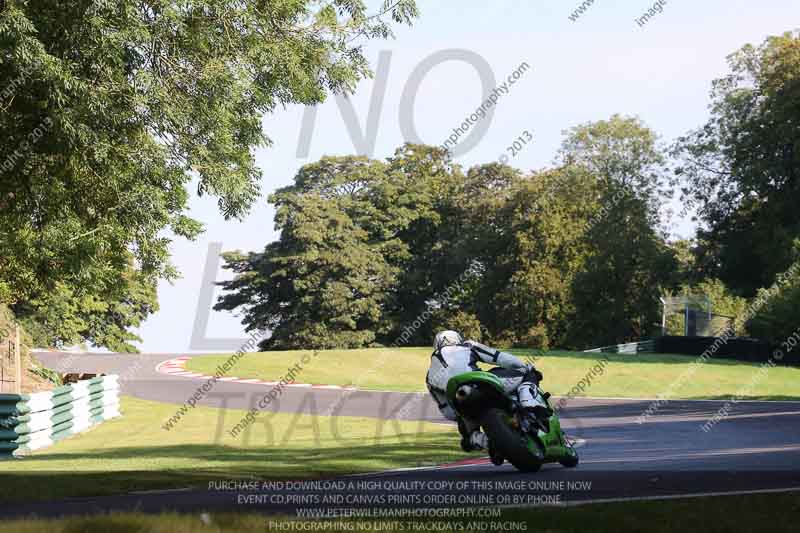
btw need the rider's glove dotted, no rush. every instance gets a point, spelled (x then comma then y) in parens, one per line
(534, 373)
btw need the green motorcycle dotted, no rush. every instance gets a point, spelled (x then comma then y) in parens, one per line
(526, 441)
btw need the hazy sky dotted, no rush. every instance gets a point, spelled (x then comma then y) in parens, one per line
(604, 63)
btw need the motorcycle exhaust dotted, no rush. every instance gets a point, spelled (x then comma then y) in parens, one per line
(463, 392)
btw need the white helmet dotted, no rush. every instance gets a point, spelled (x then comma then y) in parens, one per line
(447, 338)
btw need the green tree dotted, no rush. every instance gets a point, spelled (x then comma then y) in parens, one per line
(429, 192)
(776, 318)
(322, 285)
(392, 238)
(66, 316)
(741, 167)
(616, 295)
(369, 248)
(481, 240)
(686, 252)
(111, 109)
(326, 281)
(525, 298)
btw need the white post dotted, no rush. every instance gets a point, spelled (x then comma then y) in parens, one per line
(686, 320)
(17, 360)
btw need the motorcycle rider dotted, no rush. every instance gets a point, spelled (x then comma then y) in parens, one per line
(452, 355)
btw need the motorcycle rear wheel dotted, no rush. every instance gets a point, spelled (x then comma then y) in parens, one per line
(510, 443)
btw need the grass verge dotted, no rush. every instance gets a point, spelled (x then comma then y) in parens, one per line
(135, 453)
(623, 375)
(777, 513)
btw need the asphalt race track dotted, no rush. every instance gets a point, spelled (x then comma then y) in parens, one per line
(755, 448)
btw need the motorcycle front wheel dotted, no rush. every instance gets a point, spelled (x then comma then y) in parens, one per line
(521, 451)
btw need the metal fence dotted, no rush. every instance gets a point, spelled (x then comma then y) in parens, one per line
(645, 346)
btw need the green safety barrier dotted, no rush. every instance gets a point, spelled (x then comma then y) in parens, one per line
(16, 405)
(10, 422)
(30, 422)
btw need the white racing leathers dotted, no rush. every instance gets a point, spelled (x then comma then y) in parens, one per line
(450, 361)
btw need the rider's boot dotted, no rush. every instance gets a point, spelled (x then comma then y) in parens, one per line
(474, 442)
(472, 439)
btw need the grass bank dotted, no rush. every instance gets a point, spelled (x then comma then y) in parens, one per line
(135, 453)
(624, 375)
